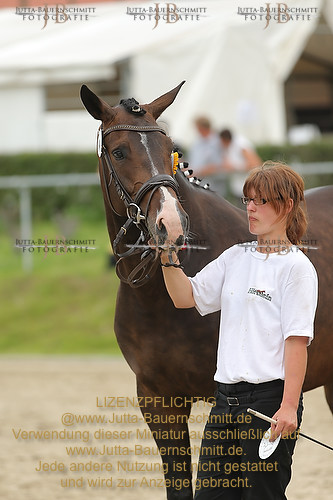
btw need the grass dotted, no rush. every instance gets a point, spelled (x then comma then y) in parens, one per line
(66, 304)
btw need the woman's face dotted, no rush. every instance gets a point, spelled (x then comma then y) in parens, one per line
(264, 221)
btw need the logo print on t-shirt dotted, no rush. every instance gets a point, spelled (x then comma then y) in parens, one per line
(260, 293)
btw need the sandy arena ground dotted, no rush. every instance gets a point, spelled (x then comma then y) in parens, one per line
(36, 392)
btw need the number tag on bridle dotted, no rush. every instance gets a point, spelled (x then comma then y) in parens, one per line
(99, 142)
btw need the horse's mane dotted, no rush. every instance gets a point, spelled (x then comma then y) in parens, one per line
(194, 180)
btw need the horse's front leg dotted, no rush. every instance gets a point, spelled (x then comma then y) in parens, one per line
(167, 419)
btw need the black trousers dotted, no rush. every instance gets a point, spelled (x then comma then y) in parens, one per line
(229, 466)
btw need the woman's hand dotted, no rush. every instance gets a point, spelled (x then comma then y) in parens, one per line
(165, 253)
(286, 418)
(177, 283)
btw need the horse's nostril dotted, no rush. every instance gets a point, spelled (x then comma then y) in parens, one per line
(180, 241)
(187, 224)
(161, 231)
(161, 227)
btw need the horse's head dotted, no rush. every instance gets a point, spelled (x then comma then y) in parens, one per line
(140, 161)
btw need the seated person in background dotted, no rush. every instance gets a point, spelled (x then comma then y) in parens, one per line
(206, 150)
(238, 157)
(238, 154)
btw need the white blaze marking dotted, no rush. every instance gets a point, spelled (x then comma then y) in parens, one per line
(170, 216)
(144, 141)
(168, 213)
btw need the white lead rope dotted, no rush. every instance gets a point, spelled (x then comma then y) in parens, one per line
(272, 421)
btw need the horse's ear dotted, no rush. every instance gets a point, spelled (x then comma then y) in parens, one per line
(98, 108)
(157, 106)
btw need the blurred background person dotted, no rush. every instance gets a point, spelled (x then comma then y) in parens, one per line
(238, 157)
(225, 165)
(238, 154)
(205, 153)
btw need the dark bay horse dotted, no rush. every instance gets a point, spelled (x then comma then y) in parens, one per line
(171, 351)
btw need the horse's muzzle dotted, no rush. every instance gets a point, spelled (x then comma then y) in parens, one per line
(172, 235)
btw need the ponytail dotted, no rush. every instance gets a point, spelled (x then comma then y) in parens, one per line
(296, 224)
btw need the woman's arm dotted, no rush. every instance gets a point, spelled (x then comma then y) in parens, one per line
(177, 284)
(295, 355)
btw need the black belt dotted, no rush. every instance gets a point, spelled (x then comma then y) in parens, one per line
(234, 393)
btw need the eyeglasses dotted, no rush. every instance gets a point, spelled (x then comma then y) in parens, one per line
(256, 201)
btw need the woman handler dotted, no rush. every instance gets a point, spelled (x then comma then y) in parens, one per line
(267, 293)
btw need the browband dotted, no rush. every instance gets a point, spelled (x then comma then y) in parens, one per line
(134, 128)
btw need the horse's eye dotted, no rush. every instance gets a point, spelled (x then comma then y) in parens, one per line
(117, 153)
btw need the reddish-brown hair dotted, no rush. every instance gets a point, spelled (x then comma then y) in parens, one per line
(277, 183)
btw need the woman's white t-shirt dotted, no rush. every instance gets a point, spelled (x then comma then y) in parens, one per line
(264, 299)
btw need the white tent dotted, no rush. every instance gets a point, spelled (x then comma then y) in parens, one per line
(234, 68)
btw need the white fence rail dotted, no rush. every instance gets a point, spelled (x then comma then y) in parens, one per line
(324, 167)
(24, 184)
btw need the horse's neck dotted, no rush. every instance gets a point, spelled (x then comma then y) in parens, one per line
(213, 217)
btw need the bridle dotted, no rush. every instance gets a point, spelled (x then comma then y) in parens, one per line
(143, 271)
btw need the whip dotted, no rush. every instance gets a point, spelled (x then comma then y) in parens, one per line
(266, 447)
